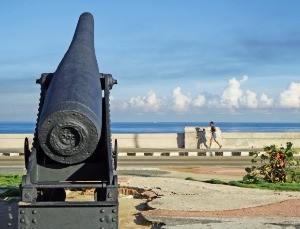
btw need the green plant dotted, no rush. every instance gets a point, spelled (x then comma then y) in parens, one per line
(191, 178)
(266, 185)
(10, 180)
(276, 165)
(216, 181)
(294, 186)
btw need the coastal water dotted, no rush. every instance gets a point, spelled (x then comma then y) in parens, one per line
(166, 127)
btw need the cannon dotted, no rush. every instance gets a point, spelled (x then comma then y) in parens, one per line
(72, 147)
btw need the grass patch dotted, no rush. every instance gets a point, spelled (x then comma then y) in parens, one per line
(270, 186)
(216, 181)
(7, 180)
(260, 185)
(10, 183)
(191, 178)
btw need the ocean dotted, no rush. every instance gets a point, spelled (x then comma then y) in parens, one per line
(166, 127)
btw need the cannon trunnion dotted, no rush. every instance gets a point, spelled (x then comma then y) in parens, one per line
(72, 144)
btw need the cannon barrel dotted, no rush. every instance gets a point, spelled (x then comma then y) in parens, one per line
(69, 126)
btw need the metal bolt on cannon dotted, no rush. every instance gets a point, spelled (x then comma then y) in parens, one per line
(72, 144)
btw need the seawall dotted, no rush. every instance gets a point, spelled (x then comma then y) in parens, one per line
(190, 139)
(195, 136)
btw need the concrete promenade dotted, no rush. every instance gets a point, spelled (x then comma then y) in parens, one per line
(179, 203)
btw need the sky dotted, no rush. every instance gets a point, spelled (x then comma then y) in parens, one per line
(175, 60)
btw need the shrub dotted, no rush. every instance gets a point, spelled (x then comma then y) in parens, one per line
(276, 165)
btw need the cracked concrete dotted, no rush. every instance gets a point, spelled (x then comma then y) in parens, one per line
(177, 194)
(192, 204)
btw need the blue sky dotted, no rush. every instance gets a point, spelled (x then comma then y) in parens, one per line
(174, 60)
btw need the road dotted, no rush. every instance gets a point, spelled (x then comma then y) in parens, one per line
(15, 164)
(183, 161)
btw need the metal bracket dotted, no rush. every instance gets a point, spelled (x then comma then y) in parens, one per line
(110, 79)
(29, 194)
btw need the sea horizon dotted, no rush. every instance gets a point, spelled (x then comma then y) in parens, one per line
(19, 127)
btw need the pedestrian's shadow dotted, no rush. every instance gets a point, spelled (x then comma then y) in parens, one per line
(201, 138)
(8, 214)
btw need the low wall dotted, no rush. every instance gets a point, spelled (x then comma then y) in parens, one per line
(15, 142)
(238, 140)
(256, 140)
(149, 140)
(198, 137)
(10, 143)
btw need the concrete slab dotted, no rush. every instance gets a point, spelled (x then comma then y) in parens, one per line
(174, 154)
(122, 154)
(192, 204)
(210, 153)
(139, 154)
(156, 154)
(245, 153)
(177, 194)
(192, 154)
(246, 223)
(227, 154)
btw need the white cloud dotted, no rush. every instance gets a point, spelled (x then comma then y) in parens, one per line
(290, 98)
(265, 101)
(153, 101)
(244, 79)
(150, 102)
(213, 103)
(124, 105)
(180, 100)
(251, 100)
(232, 95)
(199, 101)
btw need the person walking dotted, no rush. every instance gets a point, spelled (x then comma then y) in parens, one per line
(213, 135)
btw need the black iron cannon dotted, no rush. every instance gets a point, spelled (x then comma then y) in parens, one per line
(72, 144)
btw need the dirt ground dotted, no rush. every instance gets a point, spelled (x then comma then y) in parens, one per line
(129, 214)
(229, 171)
(132, 210)
(205, 172)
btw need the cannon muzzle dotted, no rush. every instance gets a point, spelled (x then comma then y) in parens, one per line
(69, 126)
